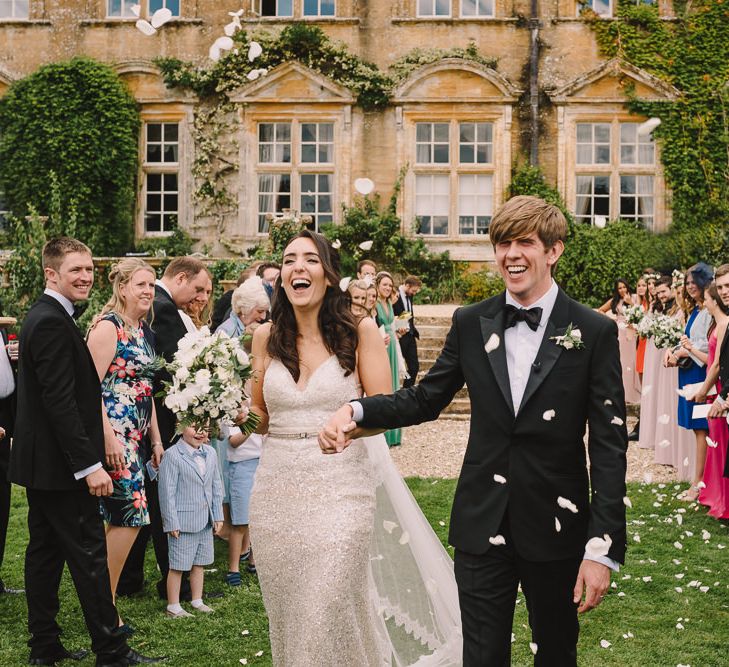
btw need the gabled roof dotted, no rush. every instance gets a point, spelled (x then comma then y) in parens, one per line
(647, 85)
(501, 89)
(292, 82)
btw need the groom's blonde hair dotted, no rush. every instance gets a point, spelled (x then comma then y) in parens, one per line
(524, 215)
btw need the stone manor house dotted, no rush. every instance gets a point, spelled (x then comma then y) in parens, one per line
(460, 127)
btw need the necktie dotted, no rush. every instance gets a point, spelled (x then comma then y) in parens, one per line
(512, 315)
(200, 452)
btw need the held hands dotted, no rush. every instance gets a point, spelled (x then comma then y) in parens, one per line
(593, 580)
(114, 454)
(158, 451)
(99, 483)
(217, 527)
(339, 431)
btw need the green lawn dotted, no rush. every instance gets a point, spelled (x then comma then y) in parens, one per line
(648, 610)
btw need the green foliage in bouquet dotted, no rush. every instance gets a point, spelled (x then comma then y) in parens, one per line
(75, 119)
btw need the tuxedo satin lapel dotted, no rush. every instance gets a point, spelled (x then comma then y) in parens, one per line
(497, 357)
(549, 352)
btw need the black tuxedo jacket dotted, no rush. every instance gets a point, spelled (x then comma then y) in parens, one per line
(58, 427)
(168, 329)
(541, 459)
(398, 308)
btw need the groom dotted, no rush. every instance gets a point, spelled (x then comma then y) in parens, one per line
(539, 367)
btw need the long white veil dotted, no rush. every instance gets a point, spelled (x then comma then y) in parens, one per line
(413, 588)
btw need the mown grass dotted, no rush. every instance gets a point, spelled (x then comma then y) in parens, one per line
(648, 610)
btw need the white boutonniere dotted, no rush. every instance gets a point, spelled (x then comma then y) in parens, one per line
(572, 339)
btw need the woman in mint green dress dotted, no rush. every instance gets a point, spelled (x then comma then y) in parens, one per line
(385, 317)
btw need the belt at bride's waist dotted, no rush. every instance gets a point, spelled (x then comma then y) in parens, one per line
(303, 434)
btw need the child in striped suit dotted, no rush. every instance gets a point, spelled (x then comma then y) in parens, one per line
(191, 502)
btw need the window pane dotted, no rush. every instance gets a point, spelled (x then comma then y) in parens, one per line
(485, 154)
(285, 7)
(584, 154)
(154, 182)
(602, 185)
(468, 7)
(423, 131)
(154, 153)
(422, 155)
(154, 202)
(283, 153)
(467, 132)
(327, 8)
(170, 132)
(170, 181)
(440, 155)
(466, 153)
(627, 184)
(442, 7)
(311, 7)
(602, 133)
(440, 224)
(440, 132)
(154, 132)
(308, 182)
(308, 132)
(170, 154)
(283, 132)
(308, 153)
(602, 154)
(627, 154)
(265, 132)
(153, 222)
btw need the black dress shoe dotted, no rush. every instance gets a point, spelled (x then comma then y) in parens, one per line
(131, 658)
(63, 655)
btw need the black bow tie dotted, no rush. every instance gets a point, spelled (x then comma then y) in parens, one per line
(512, 315)
(79, 309)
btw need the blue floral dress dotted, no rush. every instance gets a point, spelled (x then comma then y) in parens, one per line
(126, 391)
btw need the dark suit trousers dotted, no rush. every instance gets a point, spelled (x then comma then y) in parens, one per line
(66, 527)
(487, 588)
(4, 511)
(409, 347)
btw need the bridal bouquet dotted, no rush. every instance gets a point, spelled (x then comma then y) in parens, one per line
(402, 321)
(666, 331)
(644, 327)
(634, 314)
(209, 372)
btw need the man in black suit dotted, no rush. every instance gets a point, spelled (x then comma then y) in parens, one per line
(57, 451)
(538, 366)
(184, 279)
(408, 340)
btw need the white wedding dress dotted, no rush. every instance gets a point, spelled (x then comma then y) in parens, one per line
(350, 570)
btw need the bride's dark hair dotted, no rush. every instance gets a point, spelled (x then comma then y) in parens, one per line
(337, 324)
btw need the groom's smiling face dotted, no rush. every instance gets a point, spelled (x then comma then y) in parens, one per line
(526, 266)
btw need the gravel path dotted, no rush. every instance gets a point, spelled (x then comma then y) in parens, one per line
(436, 449)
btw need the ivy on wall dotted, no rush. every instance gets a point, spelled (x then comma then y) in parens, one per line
(75, 119)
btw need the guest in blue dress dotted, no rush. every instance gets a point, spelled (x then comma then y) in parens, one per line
(694, 347)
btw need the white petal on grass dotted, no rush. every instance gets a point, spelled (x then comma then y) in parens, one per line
(533, 646)
(254, 50)
(344, 283)
(621, 594)
(497, 540)
(710, 442)
(366, 245)
(678, 589)
(605, 643)
(648, 478)
(500, 479)
(567, 504)
(704, 589)
(245, 632)
(705, 534)
(441, 523)
(636, 538)
(679, 519)
(389, 526)
(678, 545)
(679, 575)
(664, 419)
(259, 654)
(626, 502)
(145, 27)
(679, 626)
(598, 546)
(664, 443)
(617, 421)
(549, 415)
(243, 661)
(557, 524)
(364, 185)
(160, 17)
(492, 343)
(647, 579)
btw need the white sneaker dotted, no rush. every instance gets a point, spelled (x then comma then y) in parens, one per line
(203, 608)
(178, 614)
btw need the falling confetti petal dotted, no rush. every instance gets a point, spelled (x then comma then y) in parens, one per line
(605, 643)
(701, 485)
(497, 540)
(626, 502)
(513, 637)
(617, 421)
(389, 526)
(224, 43)
(598, 546)
(254, 50)
(710, 442)
(533, 647)
(492, 343)
(145, 27)
(253, 75)
(664, 443)
(646, 390)
(567, 504)
(230, 28)
(500, 479)
(344, 283)
(364, 186)
(685, 462)
(336, 244)
(557, 524)
(366, 245)
(664, 419)
(608, 402)
(160, 17)
(135, 9)
(645, 128)
(549, 415)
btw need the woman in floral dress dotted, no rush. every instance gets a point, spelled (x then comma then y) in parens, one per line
(122, 346)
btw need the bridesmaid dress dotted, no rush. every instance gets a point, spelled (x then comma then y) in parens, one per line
(386, 317)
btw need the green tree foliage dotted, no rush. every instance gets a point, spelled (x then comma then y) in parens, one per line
(77, 120)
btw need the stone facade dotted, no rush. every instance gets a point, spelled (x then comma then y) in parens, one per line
(459, 127)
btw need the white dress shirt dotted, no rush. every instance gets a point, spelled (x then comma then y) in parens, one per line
(68, 307)
(198, 460)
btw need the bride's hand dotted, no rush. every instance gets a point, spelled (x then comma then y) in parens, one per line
(337, 434)
(114, 454)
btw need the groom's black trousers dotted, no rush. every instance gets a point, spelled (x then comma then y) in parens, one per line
(487, 588)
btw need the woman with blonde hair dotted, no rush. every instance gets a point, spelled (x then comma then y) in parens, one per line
(122, 347)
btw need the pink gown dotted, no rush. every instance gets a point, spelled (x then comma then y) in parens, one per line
(648, 404)
(628, 342)
(715, 495)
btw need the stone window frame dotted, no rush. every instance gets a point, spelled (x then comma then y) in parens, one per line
(433, 14)
(144, 11)
(162, 168)
(477, 16)
(257, 9)
(318, 13)
(295, 167)
(588, 4)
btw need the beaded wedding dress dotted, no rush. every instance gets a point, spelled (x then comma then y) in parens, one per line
(350, 570)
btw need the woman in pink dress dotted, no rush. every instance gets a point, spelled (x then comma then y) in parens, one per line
(714, 492)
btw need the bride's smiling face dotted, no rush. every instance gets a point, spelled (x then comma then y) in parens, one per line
(302, 274)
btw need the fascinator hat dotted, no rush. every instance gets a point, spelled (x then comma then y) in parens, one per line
(702, 274)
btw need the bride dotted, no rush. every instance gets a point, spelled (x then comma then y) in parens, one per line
(350, 571)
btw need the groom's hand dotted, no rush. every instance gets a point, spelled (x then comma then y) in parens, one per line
(337, 434)
(593, 579)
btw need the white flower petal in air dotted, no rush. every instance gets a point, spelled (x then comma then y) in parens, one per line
(254, 50)
(404, 538)
(224, 43)
(598, 546)
(608, 402)
(239, 13)
(664, 419)
(389, 526)
(605, 643)
(253, 75)
(710, 442)
(344, 283)
(366, 245)
(617, 421)
(230, 28)
(214, 53)
(646, 390)
(497, 540)
(567, 504)
(549, 415)
(135, 9)
(336, 244)
(701, 484)
(685, 462)
(648, 126)
(145, 27)
(626, 502)
(664, 443)
(513, 637)
(492, 343)
(364, 185)
(533, 647)
(160, 17)
(500, 479)
(557, 524)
